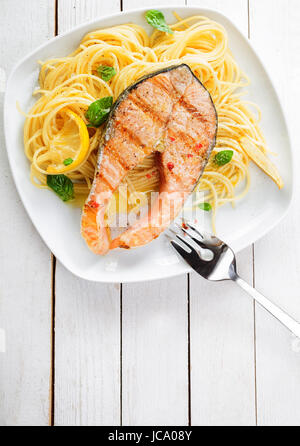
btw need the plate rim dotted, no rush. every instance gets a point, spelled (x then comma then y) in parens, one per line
(163, 8)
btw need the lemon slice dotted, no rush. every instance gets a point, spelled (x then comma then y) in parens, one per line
(262, 161)
(71, 144)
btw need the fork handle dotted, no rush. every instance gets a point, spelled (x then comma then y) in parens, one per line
(277, 312)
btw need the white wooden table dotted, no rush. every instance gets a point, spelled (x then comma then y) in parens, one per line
(173, 352)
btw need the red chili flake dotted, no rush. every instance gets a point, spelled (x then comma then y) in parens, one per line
(148, 175)
(199, 146)
(184, 226)
(171, 138)
(170, 166)
(190, 155)
(93, 204)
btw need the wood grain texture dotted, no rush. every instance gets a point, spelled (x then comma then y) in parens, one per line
(277, 256)
(155, 353)
(87, 348)
(134, 4)
(155, 348)
(25, 263)
(222, 351)
(87, 353)
(222, 323)
(74, 12)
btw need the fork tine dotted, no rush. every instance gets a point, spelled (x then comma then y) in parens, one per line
(180, 249)
(193, 256)
(203, 234)
(185, 242)
(188, 256)
(208, 239)
(196, 240)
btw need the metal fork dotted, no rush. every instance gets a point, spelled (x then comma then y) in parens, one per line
(193, 247)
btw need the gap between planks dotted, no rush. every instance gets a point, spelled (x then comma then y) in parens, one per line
(121, 325)
(52, 363)
(253, 273)
(121, 350)
(53, 273)
(189, 351)
(249, 21)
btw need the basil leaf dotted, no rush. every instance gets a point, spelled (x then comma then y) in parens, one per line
(99, 110)
(106, 72)
(62, 186)
(205, 207)
(68, 161)
(224, 157)
(157, 20)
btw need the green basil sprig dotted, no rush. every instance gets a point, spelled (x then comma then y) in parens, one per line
(205, 207)
(157, 20)
(106, 72)
(62, 186)
(98, 111)
(68, 161)
(224, 157)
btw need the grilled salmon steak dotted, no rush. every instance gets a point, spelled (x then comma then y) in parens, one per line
(169, 109)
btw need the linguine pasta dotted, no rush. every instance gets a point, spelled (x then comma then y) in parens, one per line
(72, 83)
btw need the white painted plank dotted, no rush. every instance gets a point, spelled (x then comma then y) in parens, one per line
(222, 351)
(75, 12)
(274, 29)
(155, 349)
(87, 360)
(222, 324)
(87, 353)
(25, 263)
(155, 353)
(134, 4)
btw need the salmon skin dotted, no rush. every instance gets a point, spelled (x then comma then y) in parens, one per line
(169, 108)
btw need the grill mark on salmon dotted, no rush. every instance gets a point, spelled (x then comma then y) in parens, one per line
(194, 111)
(171, 106)
(165, 84)
(134, 151)
(147, 110)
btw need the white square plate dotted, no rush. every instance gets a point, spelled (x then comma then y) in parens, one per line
(59, 224)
